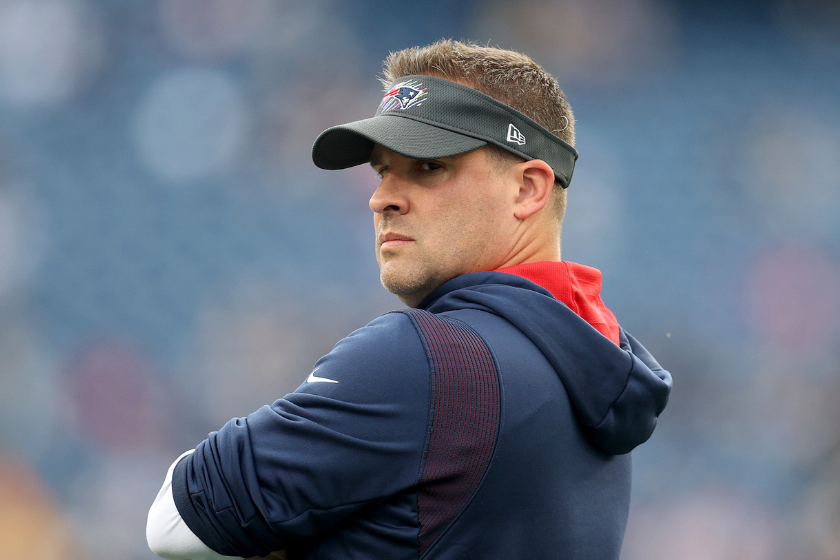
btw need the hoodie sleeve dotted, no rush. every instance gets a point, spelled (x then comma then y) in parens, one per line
(166, 533)
(350, 435)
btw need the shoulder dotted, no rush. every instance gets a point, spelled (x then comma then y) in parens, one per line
(383, 357)
(389, 329)
(387, 339)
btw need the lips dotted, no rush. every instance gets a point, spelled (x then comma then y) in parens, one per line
(392, 240)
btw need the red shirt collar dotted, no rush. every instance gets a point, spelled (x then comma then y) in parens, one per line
(576, 285)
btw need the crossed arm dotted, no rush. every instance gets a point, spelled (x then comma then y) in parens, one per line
(169, 537)
(293, 470)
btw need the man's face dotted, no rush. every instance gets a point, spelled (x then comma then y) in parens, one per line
(438, 219)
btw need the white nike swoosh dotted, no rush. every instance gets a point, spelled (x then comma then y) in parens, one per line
(315, 379)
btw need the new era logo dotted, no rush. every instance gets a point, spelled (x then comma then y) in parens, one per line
(514, 135)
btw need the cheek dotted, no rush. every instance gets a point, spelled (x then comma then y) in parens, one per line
(465, 225)
(465, 236)
(487, 235)
(481, 214)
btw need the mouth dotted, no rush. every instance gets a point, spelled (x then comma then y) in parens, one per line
(393, 240)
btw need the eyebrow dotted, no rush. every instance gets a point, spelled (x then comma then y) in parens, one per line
(375, 159)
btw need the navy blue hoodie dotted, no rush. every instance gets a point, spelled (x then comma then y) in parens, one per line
(491, 422)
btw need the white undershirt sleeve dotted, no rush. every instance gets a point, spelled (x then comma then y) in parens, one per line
(167, 534)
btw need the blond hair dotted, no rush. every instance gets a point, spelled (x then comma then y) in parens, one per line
(508, 76)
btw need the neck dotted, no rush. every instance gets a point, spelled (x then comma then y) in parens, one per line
(535, 244)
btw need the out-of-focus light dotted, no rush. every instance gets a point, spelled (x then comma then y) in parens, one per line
(792, 173)
(46, 47)
(29, 393)
(259, 342)
(591, 41)
(790, 411)
(19, 242)
(210, 28)
(30, 524)
(292, 118)
(117, 403)
(820, 520)
(810, 19)
(794, 297)
(593, 222)
(249, 360)
(712, 524)
(191, 124)
(109, 503)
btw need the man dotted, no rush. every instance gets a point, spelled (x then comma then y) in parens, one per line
(491, 419)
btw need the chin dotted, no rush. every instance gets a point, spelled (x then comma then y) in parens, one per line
(410, 287)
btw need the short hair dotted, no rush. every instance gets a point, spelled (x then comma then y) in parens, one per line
(508, 76)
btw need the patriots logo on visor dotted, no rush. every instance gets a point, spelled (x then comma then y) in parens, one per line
(404, 95)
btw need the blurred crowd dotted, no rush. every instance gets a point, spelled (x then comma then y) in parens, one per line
(170, 257)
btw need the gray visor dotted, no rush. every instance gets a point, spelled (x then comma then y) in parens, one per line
(423, 117)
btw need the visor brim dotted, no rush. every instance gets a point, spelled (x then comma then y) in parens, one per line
(351, 144)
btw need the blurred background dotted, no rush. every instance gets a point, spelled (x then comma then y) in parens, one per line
(171, 258)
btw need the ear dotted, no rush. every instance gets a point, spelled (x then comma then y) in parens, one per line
(535, 186)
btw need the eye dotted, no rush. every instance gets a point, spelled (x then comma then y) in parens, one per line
(381, 171)
(430, 166)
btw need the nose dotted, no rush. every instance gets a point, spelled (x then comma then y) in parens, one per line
(390, 197)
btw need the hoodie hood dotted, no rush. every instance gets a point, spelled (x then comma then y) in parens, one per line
(576, 285)
(617, 391)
